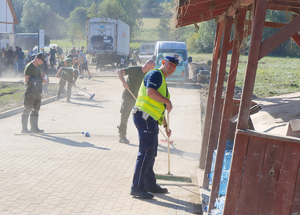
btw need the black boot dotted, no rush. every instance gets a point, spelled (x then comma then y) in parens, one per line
(34, 124)
(24, 124)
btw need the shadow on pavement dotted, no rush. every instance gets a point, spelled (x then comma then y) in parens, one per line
(68, 142)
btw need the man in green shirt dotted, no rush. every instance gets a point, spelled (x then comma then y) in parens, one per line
(33, 94)
(68, 62)
(68, 75)
(135, 76)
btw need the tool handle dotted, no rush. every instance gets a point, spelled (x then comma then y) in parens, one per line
(131, 94)
(168, 124)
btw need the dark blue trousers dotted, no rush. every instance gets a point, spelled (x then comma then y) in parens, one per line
(144, 177)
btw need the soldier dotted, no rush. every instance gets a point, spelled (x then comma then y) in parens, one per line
(32, 99)
(68, 75)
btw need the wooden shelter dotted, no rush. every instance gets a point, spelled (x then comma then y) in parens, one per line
(265, 171)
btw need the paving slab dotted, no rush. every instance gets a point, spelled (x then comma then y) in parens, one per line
(65, 172)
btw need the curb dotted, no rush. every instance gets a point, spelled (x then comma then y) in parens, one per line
(20, 109)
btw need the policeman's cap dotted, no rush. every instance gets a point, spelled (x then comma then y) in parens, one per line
(172, 60)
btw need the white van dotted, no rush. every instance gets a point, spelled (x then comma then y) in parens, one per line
(162, 47)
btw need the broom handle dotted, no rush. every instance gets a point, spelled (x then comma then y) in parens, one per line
(168, 144)
(75, 86)
(158, 127)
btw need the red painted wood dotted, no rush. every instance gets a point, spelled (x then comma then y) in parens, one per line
(251, 176)
(256, 38)
(269, 178)
(216, 117)
(287, 179)
(280, 36)
(209, 106)
(296, 39)
(296, 199)
(239, 29)
(236, 172)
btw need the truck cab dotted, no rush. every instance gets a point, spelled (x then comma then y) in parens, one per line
(163, 47)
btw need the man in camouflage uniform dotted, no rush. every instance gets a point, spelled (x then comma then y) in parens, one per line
(68, 75)
(34, 79)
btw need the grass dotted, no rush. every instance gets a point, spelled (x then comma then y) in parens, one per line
(275, 75)
(150, 23)
(12, 94)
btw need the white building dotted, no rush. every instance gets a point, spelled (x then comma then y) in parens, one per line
(8, 19)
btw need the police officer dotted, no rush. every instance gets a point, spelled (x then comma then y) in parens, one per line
(34, 79)
(67, 76)
(152, 101)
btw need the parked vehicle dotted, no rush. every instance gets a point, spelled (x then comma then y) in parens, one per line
(108, 37)
(180, 48)
(179, 74)
(29, 40)
(146, 51)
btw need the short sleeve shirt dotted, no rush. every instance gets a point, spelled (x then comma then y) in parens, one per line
(135, 78)
(81, 55)
(32, 71)
(52, 52)
(69, 63)
(67, 73)
(153, 79)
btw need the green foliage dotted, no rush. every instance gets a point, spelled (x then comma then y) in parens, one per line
(36, 16)
(125, 10)
(77, 23)
(203, 40)
(151, 8)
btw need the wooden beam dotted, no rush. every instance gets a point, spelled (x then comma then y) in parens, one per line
(286, 3)
(296, 39)
(195, 19)
(196, 10)
(216, 117)
(280, 37)
(209, 106)
(256, 38)
(183, 3)
(274, 24)
(232, 10)
(227, 110)
(283, 8)
(15, 18)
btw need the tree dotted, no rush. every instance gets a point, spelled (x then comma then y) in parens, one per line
(125, 10)
(39, 16)
(77, 23)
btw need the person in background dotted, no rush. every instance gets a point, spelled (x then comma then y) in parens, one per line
(135, 75)
(149, 112)
(83, 64)
(52, 56)
(59, 54)
(10, 57)
(34, 78)
(20, 56)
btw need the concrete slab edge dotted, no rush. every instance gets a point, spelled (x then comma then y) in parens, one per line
(20, 109)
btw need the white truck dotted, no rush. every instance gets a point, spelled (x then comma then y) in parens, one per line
(108, 38)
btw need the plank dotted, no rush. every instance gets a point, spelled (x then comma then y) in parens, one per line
(236, 171)
(287, 179)
(296, 199)
(251, 176)
(269, 178)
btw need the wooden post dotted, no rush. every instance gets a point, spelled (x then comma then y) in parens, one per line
(240, 145)
(215, 125)
(239, 33)
(254, 52)
(209, 106)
